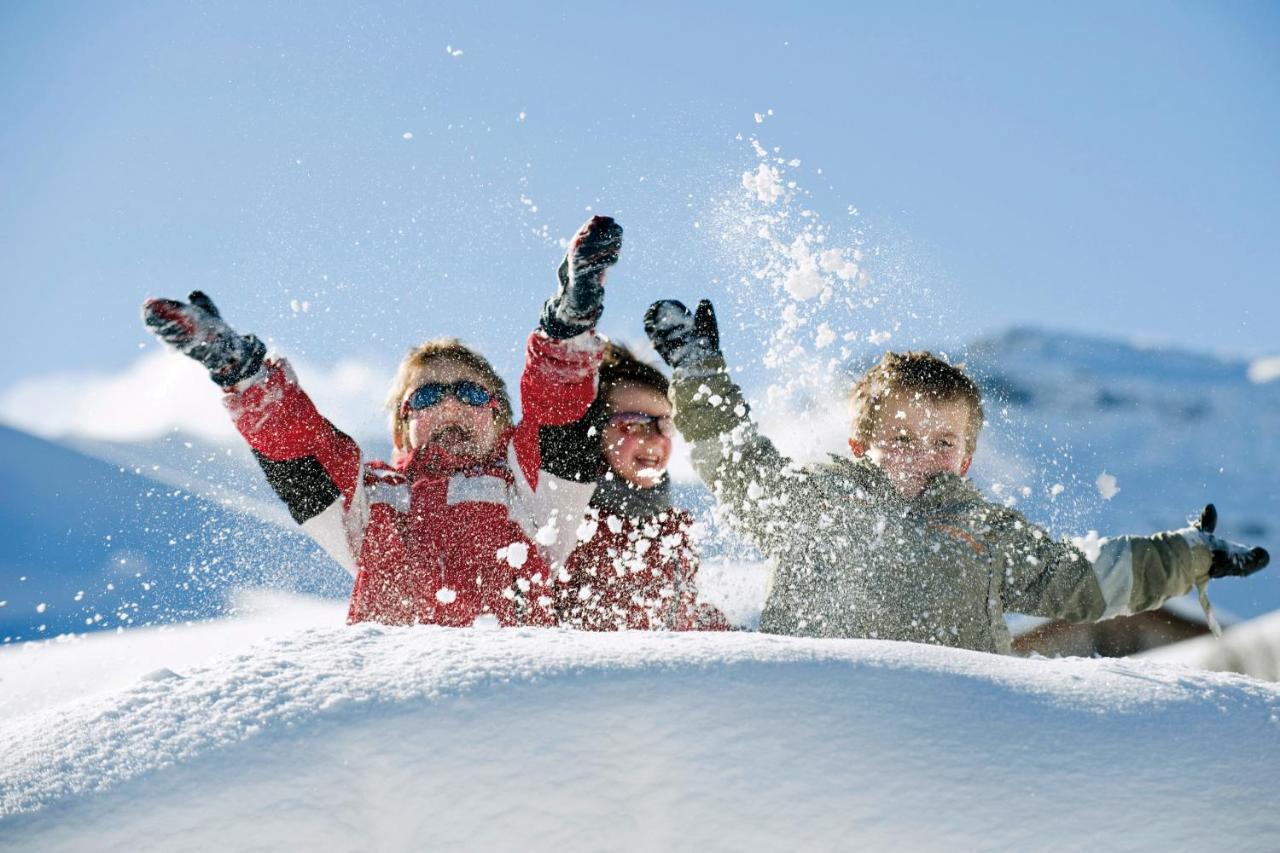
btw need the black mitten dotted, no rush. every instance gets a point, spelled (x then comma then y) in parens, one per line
(579, 300)
(1229, 559)
(197, 330)
(682, 338)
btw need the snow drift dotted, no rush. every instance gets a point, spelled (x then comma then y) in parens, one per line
(406, 738)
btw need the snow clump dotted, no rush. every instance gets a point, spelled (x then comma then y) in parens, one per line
(1264, 370)
(764, 182)
(1107, 486)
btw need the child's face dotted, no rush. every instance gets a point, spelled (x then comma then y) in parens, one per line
(636, 448)
(450, 424)
(917, 438)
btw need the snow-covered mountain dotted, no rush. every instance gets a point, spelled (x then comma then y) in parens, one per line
(88, 545)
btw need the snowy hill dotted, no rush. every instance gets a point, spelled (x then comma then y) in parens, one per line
(86, 545)
(404, 738)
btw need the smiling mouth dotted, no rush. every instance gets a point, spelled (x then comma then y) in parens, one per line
(649, 466)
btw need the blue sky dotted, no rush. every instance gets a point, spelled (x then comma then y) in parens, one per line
(1111, 168)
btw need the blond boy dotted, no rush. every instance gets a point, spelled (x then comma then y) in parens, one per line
(894, 542)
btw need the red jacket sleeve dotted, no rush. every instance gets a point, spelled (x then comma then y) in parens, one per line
(308, 462)
(557, 386)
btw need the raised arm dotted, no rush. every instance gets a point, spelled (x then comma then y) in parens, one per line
(557, 387)
(558, 384)
(312, 466)
(764, 492)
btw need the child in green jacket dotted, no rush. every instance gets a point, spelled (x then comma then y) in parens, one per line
(894, 542)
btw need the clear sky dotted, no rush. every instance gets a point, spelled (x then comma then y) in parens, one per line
(406, 169)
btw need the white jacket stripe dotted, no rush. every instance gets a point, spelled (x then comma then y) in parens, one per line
(329, 530)
(549, 516)
(1114, 570)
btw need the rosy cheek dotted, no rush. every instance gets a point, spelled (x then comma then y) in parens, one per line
(658, 443)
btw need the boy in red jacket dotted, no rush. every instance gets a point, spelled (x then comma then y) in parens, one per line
(463, 522)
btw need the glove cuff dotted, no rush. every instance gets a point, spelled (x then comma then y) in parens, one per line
(697, 362)
(556, 325)
(250, 353)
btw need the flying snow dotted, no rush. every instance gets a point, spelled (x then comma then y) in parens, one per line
(1107, 486)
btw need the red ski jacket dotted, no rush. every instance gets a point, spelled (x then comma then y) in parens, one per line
(637, 573)
(428, 543)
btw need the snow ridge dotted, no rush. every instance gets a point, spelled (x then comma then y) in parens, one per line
(244, 709)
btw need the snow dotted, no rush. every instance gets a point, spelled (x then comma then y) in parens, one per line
(803, 283)
(1107, 487)
(36, 676)
(371, 737)
(1264, 370)
(764, 183)
(1251, 647)
(516, 554)
(824, 337)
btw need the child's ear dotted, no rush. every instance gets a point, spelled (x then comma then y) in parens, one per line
(964, 466)
(859, 449)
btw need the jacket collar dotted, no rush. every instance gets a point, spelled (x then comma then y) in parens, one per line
(616, 495)
(945, 492)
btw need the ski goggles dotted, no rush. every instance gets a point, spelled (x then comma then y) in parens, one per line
(464, 391)
(642, 423)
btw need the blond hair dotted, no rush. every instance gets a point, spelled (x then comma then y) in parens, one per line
(921, 373)
(444, 349)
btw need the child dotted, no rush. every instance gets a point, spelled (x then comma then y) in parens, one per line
(637, 565)
(896, 543)
(463, 522)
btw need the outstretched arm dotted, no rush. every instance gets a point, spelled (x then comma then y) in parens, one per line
(1127, 574)
(312, 466)
(196, 329)
(558, 384)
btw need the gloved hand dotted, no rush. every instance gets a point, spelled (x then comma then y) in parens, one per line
(1228, 557)
(197, 330)
(579, 300)
(683, 339)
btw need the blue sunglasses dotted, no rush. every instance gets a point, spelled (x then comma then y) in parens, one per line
(433, 392)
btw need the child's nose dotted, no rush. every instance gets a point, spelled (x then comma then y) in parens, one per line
(452, 405)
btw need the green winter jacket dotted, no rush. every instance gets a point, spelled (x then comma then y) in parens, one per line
(855, 559)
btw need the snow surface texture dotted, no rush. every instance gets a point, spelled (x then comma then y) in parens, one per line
(1252, 647)
(398, 738)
